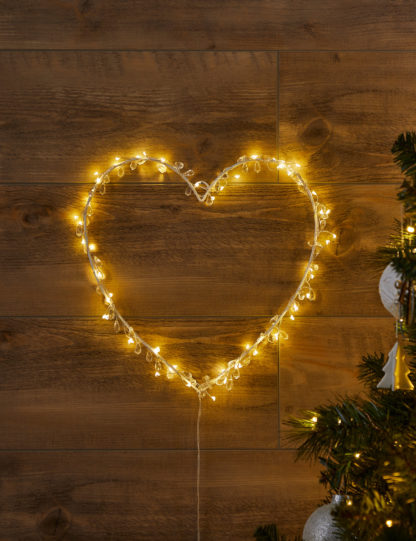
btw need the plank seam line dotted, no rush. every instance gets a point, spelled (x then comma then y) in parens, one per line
(146, 450)
(191, 317)
(209, 51)
(176, 184)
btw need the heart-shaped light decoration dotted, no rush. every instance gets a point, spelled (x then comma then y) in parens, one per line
(205, 193)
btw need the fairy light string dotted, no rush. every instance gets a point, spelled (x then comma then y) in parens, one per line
(206, 193)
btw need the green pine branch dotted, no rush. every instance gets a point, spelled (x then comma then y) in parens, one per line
(366, 444)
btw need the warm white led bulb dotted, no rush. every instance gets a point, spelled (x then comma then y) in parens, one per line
(273, 332)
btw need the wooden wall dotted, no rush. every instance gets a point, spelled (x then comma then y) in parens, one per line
(93, 447)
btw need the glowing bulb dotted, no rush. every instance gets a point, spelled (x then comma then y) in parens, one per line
(76, 217)
(314, 419)
(82, 240)
(162, 160)
(334, 236)
(157, 373)
(92, 247)
(106, 316)
(188, 384)
(221, 189)
(255, 352)
(100, 275)
(239, 365)
(116, 159)
(389, 523)
(96, 173)
(237, 176)
(327, 241)
(349, 502)
(297, 165)
(312, 276)
(313, 192)
(295, 306)
(276, 336)
(213, 398)
(410, 229)
(247, 346)
(308, 295)
(254, 157)
(357, 455)
(130, 341)
(339, 421)
(156, 350)
(292, 317)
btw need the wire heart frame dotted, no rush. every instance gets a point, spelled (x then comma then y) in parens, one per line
(205, 193)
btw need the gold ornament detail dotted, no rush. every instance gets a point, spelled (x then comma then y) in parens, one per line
(396, 369)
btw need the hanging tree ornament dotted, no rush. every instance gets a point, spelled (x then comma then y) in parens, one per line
(396, 369)
(397, 296)
(321, 525)
(388, 288)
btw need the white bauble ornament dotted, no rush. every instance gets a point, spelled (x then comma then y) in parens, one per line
(320, 526)
(389, 293)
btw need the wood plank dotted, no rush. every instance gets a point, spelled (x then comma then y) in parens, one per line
(76, 385)
(66, 114)
(138, 495)
(165, 255)
(341, 112)
(350, 24)
(319, 361)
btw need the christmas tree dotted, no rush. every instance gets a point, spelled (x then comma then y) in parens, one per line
(367, 444)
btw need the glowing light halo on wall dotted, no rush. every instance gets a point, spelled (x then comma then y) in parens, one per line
(206, 193)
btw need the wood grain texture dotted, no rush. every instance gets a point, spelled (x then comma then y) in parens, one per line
(341, 112)
(319, 362)
(235, 24)
(66, 114)
(102, 496)
(166, 255)
(93, 446)
(76, 385)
